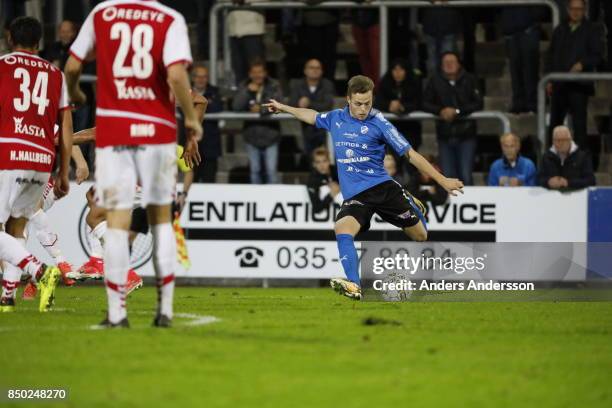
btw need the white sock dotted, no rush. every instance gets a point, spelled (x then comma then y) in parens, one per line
(10, 280)
(12, 250)
(116, 265)
(164, 260)
(48, 240)
(96, 240)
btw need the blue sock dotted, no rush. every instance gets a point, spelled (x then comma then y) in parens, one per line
(348, 257)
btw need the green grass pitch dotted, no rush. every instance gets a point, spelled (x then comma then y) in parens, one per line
(310, 348)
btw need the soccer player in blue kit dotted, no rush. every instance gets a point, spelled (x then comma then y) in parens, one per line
(360, 135)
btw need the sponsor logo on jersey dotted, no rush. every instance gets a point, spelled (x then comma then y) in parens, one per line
(114, 13)
(349, 144)
(29, 62)
(32, 157)
(354, 160)
(133, 92)
(338, 124)
(28, 130)
(350, 135)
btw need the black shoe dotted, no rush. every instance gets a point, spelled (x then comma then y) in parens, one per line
(7, 304)
(106, 324)
(162, 321)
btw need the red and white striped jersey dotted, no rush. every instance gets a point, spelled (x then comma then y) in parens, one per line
(32, 93)
(135, 42)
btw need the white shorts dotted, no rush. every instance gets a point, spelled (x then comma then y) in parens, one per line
(119, 169)
(20, 193)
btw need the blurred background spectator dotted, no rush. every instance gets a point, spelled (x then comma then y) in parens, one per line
(521, 30)
(261, 137)
(314, 92)
(366, 33)
(210, 146)
(246, 30)
(441, 27)
(400, 92)
(565, 166)
(418, 184)
(453, 94)
(595, 8)
(323, 186)
(310, 33)
(576, 46)
(512, 169)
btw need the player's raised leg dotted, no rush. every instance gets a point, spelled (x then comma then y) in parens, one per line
(346, 229)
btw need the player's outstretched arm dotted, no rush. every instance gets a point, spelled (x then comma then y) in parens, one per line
(84, 136)
(72, 71)
(305, 115)
(82, 169)
(452, 185)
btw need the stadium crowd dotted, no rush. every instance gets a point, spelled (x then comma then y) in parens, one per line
(434, 54)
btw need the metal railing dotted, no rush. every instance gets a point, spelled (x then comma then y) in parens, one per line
(496, 115)
(560, 77)
(382, 5)
(501, 117)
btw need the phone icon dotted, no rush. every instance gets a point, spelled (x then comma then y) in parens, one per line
(249, 256)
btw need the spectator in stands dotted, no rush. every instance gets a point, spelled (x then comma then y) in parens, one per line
(261, 137)
(521, 29)
(366, 33)
(57, 52)
(512, 169)
(418, 184)
(210, 146)
(441, 26)
(323, 186)
(400, 92)
(564, 166)
(453, 94)
(314, 92)
(246, 30)
(595, 7)
(4, 44)
(576, 46)
(310, 33)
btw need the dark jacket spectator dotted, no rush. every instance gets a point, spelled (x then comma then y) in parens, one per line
(520, 27)
(261, 137)
(576, 46)
(452, 94)
(314, 92)
(569, 46)
(517, 19)
(564, 166)
(462, 94)
(595, 7)
(259, 134)
(323, 186)
(403, 86)
(400, 92)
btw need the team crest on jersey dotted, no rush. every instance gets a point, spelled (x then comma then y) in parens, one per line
(350, 153)
(364, 130)
(28, 130)
(133, 92)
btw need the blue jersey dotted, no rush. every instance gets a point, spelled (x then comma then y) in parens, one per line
(359, 147)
